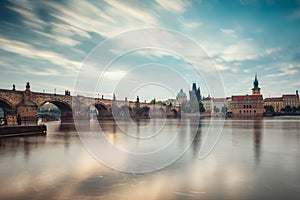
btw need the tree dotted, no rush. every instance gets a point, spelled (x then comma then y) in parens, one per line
(153, 101)
(216, 110)
(224, 109)
(160, 103)
(201, 107)
(269, 108)
(288, 108)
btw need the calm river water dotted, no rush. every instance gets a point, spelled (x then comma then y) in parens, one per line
(253, 159)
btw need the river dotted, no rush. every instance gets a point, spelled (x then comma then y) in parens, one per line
(252, 159)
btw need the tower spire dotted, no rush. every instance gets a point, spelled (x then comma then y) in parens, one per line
(255, 89)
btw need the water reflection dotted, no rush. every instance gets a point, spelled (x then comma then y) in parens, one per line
(197, 140)
(42, 167)
(25, 145)
(257, 133)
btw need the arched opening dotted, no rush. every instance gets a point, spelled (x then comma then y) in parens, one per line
(103, 112)
(93, 112)
(2, 118)
(175, 113)
(6, 109)
(146, 111)
(125, 112)
(49, 112)
(65, 110)
(1, 112)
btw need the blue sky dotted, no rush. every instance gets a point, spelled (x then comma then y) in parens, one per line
(46, 42)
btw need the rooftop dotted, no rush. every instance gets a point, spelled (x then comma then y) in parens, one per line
(244, 97)
(181, 94)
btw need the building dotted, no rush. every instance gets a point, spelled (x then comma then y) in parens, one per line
(181, 97)
(291, 100)
(195, 94)
(248, 105)
(279, 103)
(229, 109)
(208, 104)
(217, 106)
(275, 102)
(220, 105)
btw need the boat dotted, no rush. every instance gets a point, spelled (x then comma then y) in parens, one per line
(10, 131)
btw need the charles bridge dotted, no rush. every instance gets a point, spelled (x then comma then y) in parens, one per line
(25, 105)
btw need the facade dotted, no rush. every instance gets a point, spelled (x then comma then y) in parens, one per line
(279, 103)
(248, 105)
(228, 100)
(220, 105)
(215, 105)
(275, 102)
(208, 104)
(181, 97)
(290, 100)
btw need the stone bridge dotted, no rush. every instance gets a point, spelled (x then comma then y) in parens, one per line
(25, 105)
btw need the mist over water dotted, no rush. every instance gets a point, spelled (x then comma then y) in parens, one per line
(254, 159)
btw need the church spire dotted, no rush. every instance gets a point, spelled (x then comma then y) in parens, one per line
(255, 89)
(255, 83)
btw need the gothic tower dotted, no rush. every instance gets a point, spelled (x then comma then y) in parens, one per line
(195, 94)
(255, 89)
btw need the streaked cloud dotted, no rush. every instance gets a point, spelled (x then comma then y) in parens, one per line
(285, 71)
(245, 49)
(174, 5)
(229, 32)
(52, 38)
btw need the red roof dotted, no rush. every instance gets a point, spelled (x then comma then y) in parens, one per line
(289, 95)
(207, 98)
(219, 99)
(243, 97)
(273, 99)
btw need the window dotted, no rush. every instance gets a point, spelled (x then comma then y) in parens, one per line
(250, 106)
(244, 111)
(254, 111)
(240, 111)
(247, 106)
(244, 106)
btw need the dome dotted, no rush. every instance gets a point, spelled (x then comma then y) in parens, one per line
(181, 94)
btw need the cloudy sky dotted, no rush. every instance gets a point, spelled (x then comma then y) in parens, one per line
(47, 42)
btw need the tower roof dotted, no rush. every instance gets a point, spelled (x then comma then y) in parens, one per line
(255, 82)
(181, 94)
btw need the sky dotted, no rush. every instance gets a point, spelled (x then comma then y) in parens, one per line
(49, 43)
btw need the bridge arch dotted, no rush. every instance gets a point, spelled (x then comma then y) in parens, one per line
(103, 110)
(175, 113)
(7, 107)
(126, 112)
(65, 108)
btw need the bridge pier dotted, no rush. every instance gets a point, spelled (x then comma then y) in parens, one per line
(28, 112)
(11, 120)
